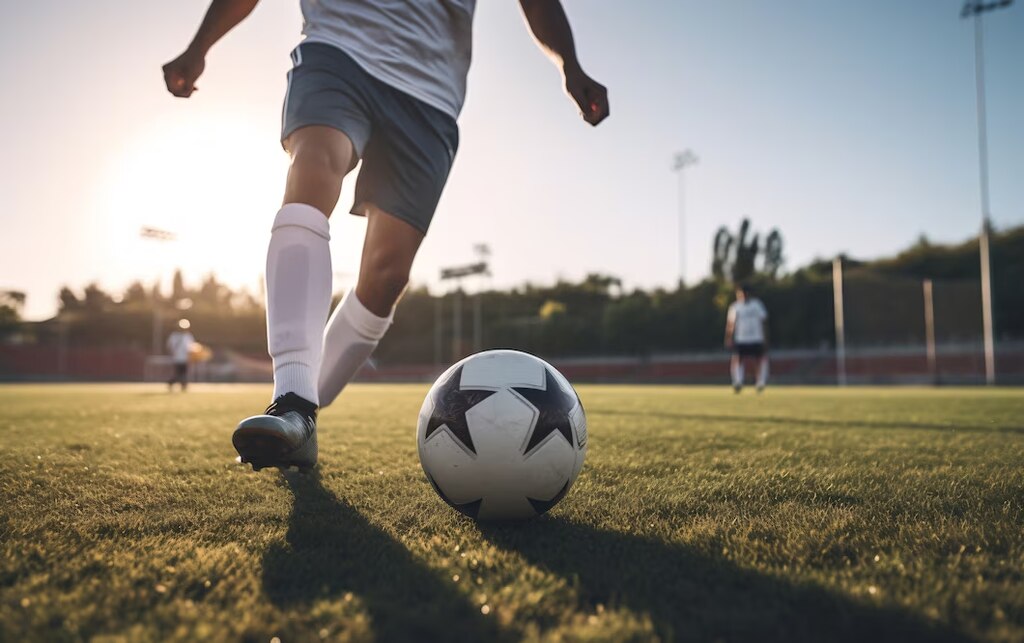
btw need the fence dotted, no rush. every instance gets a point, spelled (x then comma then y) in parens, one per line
(891, 364)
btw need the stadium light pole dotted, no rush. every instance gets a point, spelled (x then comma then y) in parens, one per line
(840, 320)
(458, 273)
(974, 8)
(162, 236)
(483, 253)
(929, 330)
(682, 160)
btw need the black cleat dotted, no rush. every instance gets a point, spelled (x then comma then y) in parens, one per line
(284, 436)
(737, 388)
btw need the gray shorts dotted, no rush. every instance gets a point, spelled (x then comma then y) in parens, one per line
(406, 146)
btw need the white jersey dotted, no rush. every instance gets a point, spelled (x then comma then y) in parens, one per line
(179, 344)
(421, 47)
(748, 319)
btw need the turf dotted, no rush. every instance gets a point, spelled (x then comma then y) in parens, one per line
(802, 514)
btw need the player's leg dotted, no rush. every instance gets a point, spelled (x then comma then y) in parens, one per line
(299, 274)
(175, 376)
(405, 167)
(298, 281)
(736, 368)
(183, 376)
(364, 314)
(327, 121)
(762, 371)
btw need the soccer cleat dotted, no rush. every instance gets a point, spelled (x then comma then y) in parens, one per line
(737, 388)
(284, 436)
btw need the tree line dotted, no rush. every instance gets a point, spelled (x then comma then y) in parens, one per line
(593, 316)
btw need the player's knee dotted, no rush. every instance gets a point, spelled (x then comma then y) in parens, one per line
(318, 164)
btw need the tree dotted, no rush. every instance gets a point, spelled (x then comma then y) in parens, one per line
(773, 258)
(95, 298)
(745, 254)
(734, 258)
(68, 300)
(212, 293)
(178, 290)
(135, 294)
(720, 256)
(11, 303)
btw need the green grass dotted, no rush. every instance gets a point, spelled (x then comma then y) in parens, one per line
(803, 514)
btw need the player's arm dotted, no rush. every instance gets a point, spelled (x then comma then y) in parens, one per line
(730, 323)
(550, 28)
(181, 73)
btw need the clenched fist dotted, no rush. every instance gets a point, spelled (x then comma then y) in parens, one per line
(589, 95)
(181, 73)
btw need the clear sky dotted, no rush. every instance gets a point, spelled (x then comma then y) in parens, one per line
(848, 125)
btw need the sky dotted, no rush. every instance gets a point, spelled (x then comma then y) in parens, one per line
(849, 126)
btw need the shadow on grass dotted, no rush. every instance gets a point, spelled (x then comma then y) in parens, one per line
(821, 423)
(691, 596)
(331, 549)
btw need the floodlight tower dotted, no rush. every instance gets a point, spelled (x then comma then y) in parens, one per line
(974, 8)
(162, 236)
(682, 161)
(458, 273)
(483, 254)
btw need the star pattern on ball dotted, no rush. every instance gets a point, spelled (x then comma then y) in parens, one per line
(553, 405)
(450, 406)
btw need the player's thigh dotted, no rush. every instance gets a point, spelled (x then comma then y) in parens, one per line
(326, 122)
(407, 160)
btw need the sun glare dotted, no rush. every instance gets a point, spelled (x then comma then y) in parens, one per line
(213, 184)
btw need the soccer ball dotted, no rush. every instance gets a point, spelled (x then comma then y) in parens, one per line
(502, 436)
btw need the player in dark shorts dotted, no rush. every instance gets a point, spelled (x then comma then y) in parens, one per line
(746, 334)
(381, 81)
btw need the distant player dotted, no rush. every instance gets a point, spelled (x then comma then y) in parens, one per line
(380, 81)
(746, 334)
(179, 345)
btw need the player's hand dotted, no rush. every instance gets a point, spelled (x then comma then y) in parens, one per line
(590, 96)
(181, 73)
(728, 342)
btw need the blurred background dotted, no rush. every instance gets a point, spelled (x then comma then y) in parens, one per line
(861, 165)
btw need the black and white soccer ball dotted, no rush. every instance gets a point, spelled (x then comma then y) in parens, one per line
(502, 436)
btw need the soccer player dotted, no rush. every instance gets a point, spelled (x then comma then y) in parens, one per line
(179, 345)
(381, 81)
(746, 334)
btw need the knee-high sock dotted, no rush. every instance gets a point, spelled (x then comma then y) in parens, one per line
(762, 373)
(351, 336)
(298, 297)
(737, 373)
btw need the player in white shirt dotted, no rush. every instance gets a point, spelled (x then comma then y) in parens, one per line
(746, 334)
(179, 345)
(377, 81)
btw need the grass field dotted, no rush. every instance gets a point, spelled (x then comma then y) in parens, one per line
(803, 514)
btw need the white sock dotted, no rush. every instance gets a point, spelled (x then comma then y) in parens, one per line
(737, 374)
(352, 334)
(762, 374)
(298, 297)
